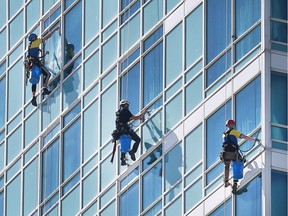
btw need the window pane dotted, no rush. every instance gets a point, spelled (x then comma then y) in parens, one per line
(193, 195)
(53, 61)
(13, 197)
(153, 73)
(173, 112)
(247, 13)
(109, 11)
(2, 203)
(71, 114)
(173, 166)
(71, 149)
(71, 203)
(90, 187)
(2, 19)
(50, 108)
(91, 69)
(279, 31)
(224, 209)
(16, 29)
(170, 4)
(278, 193)
(152, 13)
(32, 13)
(153, 38)
(218, 27)
(2, 101)
(248, 199)
(50, 169)
(14, 6)
(193, 94)
(279, 9)
(2, 161)
(279, 98)
(91, 19)
(14, 144)
(175, 208)
(214, 130)
(109, 210)
(152, 185)
(31, 128)
(173, 54)
(129, 201)
(108, 57)
(248, 104)
(107, 173)
(3, 38)
(193, 37)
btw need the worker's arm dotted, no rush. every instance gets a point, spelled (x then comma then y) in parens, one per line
(242, 136)
(136, 117)
(50, 34)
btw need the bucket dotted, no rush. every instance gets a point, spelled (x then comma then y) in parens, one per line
(35, 75)
(237, 167)
(125, 143)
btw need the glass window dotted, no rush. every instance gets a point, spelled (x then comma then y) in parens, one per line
(71, 203)
(173, 89)
(71, 114)
(108, 57)
(109, 78)
(279, 31)
(214, 173)
(131, 58)
(15, 53)
(279, 9)
(173, 112)
(50, 108)
(16, 29)
(13, 170)
(3, 64)
(109, 210)
(193, 94)
(215, 126)
(109, 11)
(2, 18)
(153, 38)
(218, 27)
(248, 199)
(70, 184)
(108, 195)
(30, 198)
(279, 98)
(108, 103)
(90, 134)
(248, 107)
(152, 185)
(173, 54)
(73, 27)
(91, 95)
(132, 175)
(193, 36)
(173, 166)
(193, 195)
(130, 12)
(13, 197)
(14, 6)
(248, 43)
(92, 210)
(2, 101)
(31, 128)
(129, 201)
(130, 33)
(14, 144)
(153, 73)
(107, 173)
(152, 13)
(170, 4)
(3, 43)
(50, 169)
(31, 152)
(2, 203)
(193, 147)
(130, 83)
(48, 4)
(175, 208)
(15, 94)
(90, 187)
(71, 149)
(247, 13)
(224, 209)
(32, 13)
(91, 69)
(52, 17)
(194, 174)
(2, 161)
(155, 209)
(278, 192)
(48, 204)
(91, 19)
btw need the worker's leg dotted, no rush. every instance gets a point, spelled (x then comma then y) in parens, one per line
(33, 101)
(46, 75)
(226, 172)
(134, 149)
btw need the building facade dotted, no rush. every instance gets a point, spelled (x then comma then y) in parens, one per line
(192, 64)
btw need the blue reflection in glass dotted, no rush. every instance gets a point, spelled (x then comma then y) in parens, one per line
(71, 114)
(224, 209)
(70, 184)
(152, 14)
(153, 38)
(52, 17)
(2, 203)
(129, 177)
(130, 11)
(2, 17)
(2, 101)
(130, 59)
(214, 173)
(278, 192)
(279, 31)
(129, 201)
(279, 9)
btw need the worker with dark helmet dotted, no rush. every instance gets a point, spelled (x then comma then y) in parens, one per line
(123, 116)
(230, 149)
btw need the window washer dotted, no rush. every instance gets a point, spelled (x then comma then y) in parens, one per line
(230, 150)
(123, 116)
(33, 58)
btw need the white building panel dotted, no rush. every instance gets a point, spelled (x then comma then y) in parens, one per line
(193, 120)
(279, 62)
(191, 5)
(174, 19)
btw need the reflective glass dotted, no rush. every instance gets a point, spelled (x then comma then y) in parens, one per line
(248, 107)
(2, 203)
(279, 9)
(279, 98)
(170, 4)
(32, 13)
(173, 54)
(173, 166)
(193, 93)
(107, 173)
(108, 106)
(193, 195)
(247, 12)
(92, 163)
(107, 196)
(215, 126)
(125, 3)
(50, 203)
(173, 112)
(193, 36)
(90, 187)
(109, 210)
(31, 152)
(218, 27)
(3, 43)
(71, 203)
(13, 197)
(278, 193)
(152, 157)
(155, 209)
(73, 27)
(71, 149)
(91, 211)
(16, 29)
(3, 64)
(248, 199)
(173, 193)
(15, 122)
(153, 38)
(30, 198)
(109, 30)
(70, 184)
(152, 13)
(48, 4)
(194, 174)
(130, 12)
(91, 95)
(129, 201)
(53, 212)
(175, 208)
(16, 53)
(2, 161)
(2, 101)
(279, 31)
(31, 128)
(91, 19)
(279, 133)
(193, 145)
(71, 114)
(14, 6)
(71, 88)
(14, 144)
(130, 83)
(173, 89)
(91, 69)
(52, 17)
(90, 134)
(109, 77)
(109, 52)
(15, 94)
(129, 177)
(13, 170)
(224, 209)
(130, 59)
(51, 134)
(109, 11)
(2, 20)
(152, 185)
(153, 73)
(214, 173)
(50, 108)
(50, 169)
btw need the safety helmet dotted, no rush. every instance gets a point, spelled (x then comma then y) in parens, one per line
(230, 122)
(71, 46)
(123, 102)
(31, 36)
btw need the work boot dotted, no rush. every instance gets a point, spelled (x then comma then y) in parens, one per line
(123, 162)
(234, 188)
(45, 91)
(132, 155)
(226, 184)
(33, 101)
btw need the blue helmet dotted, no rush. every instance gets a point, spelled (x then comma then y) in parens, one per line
(31, 36)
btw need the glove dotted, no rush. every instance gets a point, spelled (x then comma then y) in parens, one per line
(257, 140)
